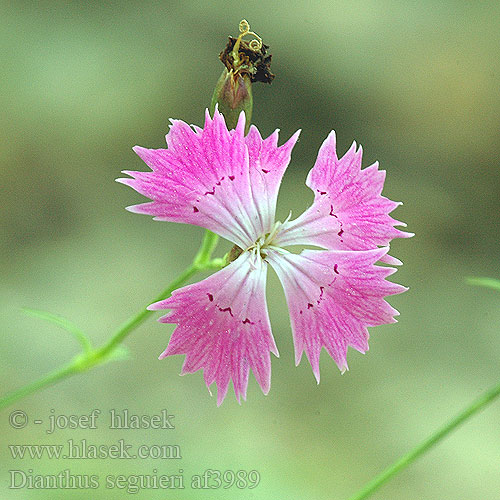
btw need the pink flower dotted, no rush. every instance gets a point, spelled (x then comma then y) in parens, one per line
(228, 183)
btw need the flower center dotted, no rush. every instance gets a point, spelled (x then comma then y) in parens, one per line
(261, 245)
(265, 241)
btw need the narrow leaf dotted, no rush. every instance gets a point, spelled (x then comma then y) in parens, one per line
(485, 282)
(63, 323)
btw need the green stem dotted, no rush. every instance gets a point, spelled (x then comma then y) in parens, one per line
(94, 357)
(46, 381)
(425, 445)
(132, 323)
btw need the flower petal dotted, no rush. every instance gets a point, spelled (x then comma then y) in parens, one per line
(214, 178)
(348, 211)
(268, 163)
(223, 326)
(333, 296)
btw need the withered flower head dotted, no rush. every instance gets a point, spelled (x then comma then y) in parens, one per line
(245, 62)
(248, 58)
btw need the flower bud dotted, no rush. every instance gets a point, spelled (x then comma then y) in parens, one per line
(233, 94)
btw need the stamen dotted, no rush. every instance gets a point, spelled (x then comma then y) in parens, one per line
(254, 257)
(275, 229)
(273, 232)
(280, 250)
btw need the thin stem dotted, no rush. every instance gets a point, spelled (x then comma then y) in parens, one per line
(132, 323)
(425, 445)
(46, 381)
(206, 249)
(93, 357)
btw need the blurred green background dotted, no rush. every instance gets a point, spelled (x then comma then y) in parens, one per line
(417, 84)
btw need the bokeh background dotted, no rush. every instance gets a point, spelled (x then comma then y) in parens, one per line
(416, 83)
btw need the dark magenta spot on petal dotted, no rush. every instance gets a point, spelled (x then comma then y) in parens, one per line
(331, 212)
(301, 312)
(321, 288)
(227, 309)
(335, 268)
(321, 192)
(248, 321)
(265, 171)
(231, 177)
(210, 297)
(195, 210)
(340, 232)
(309, 305)
(211, 192)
